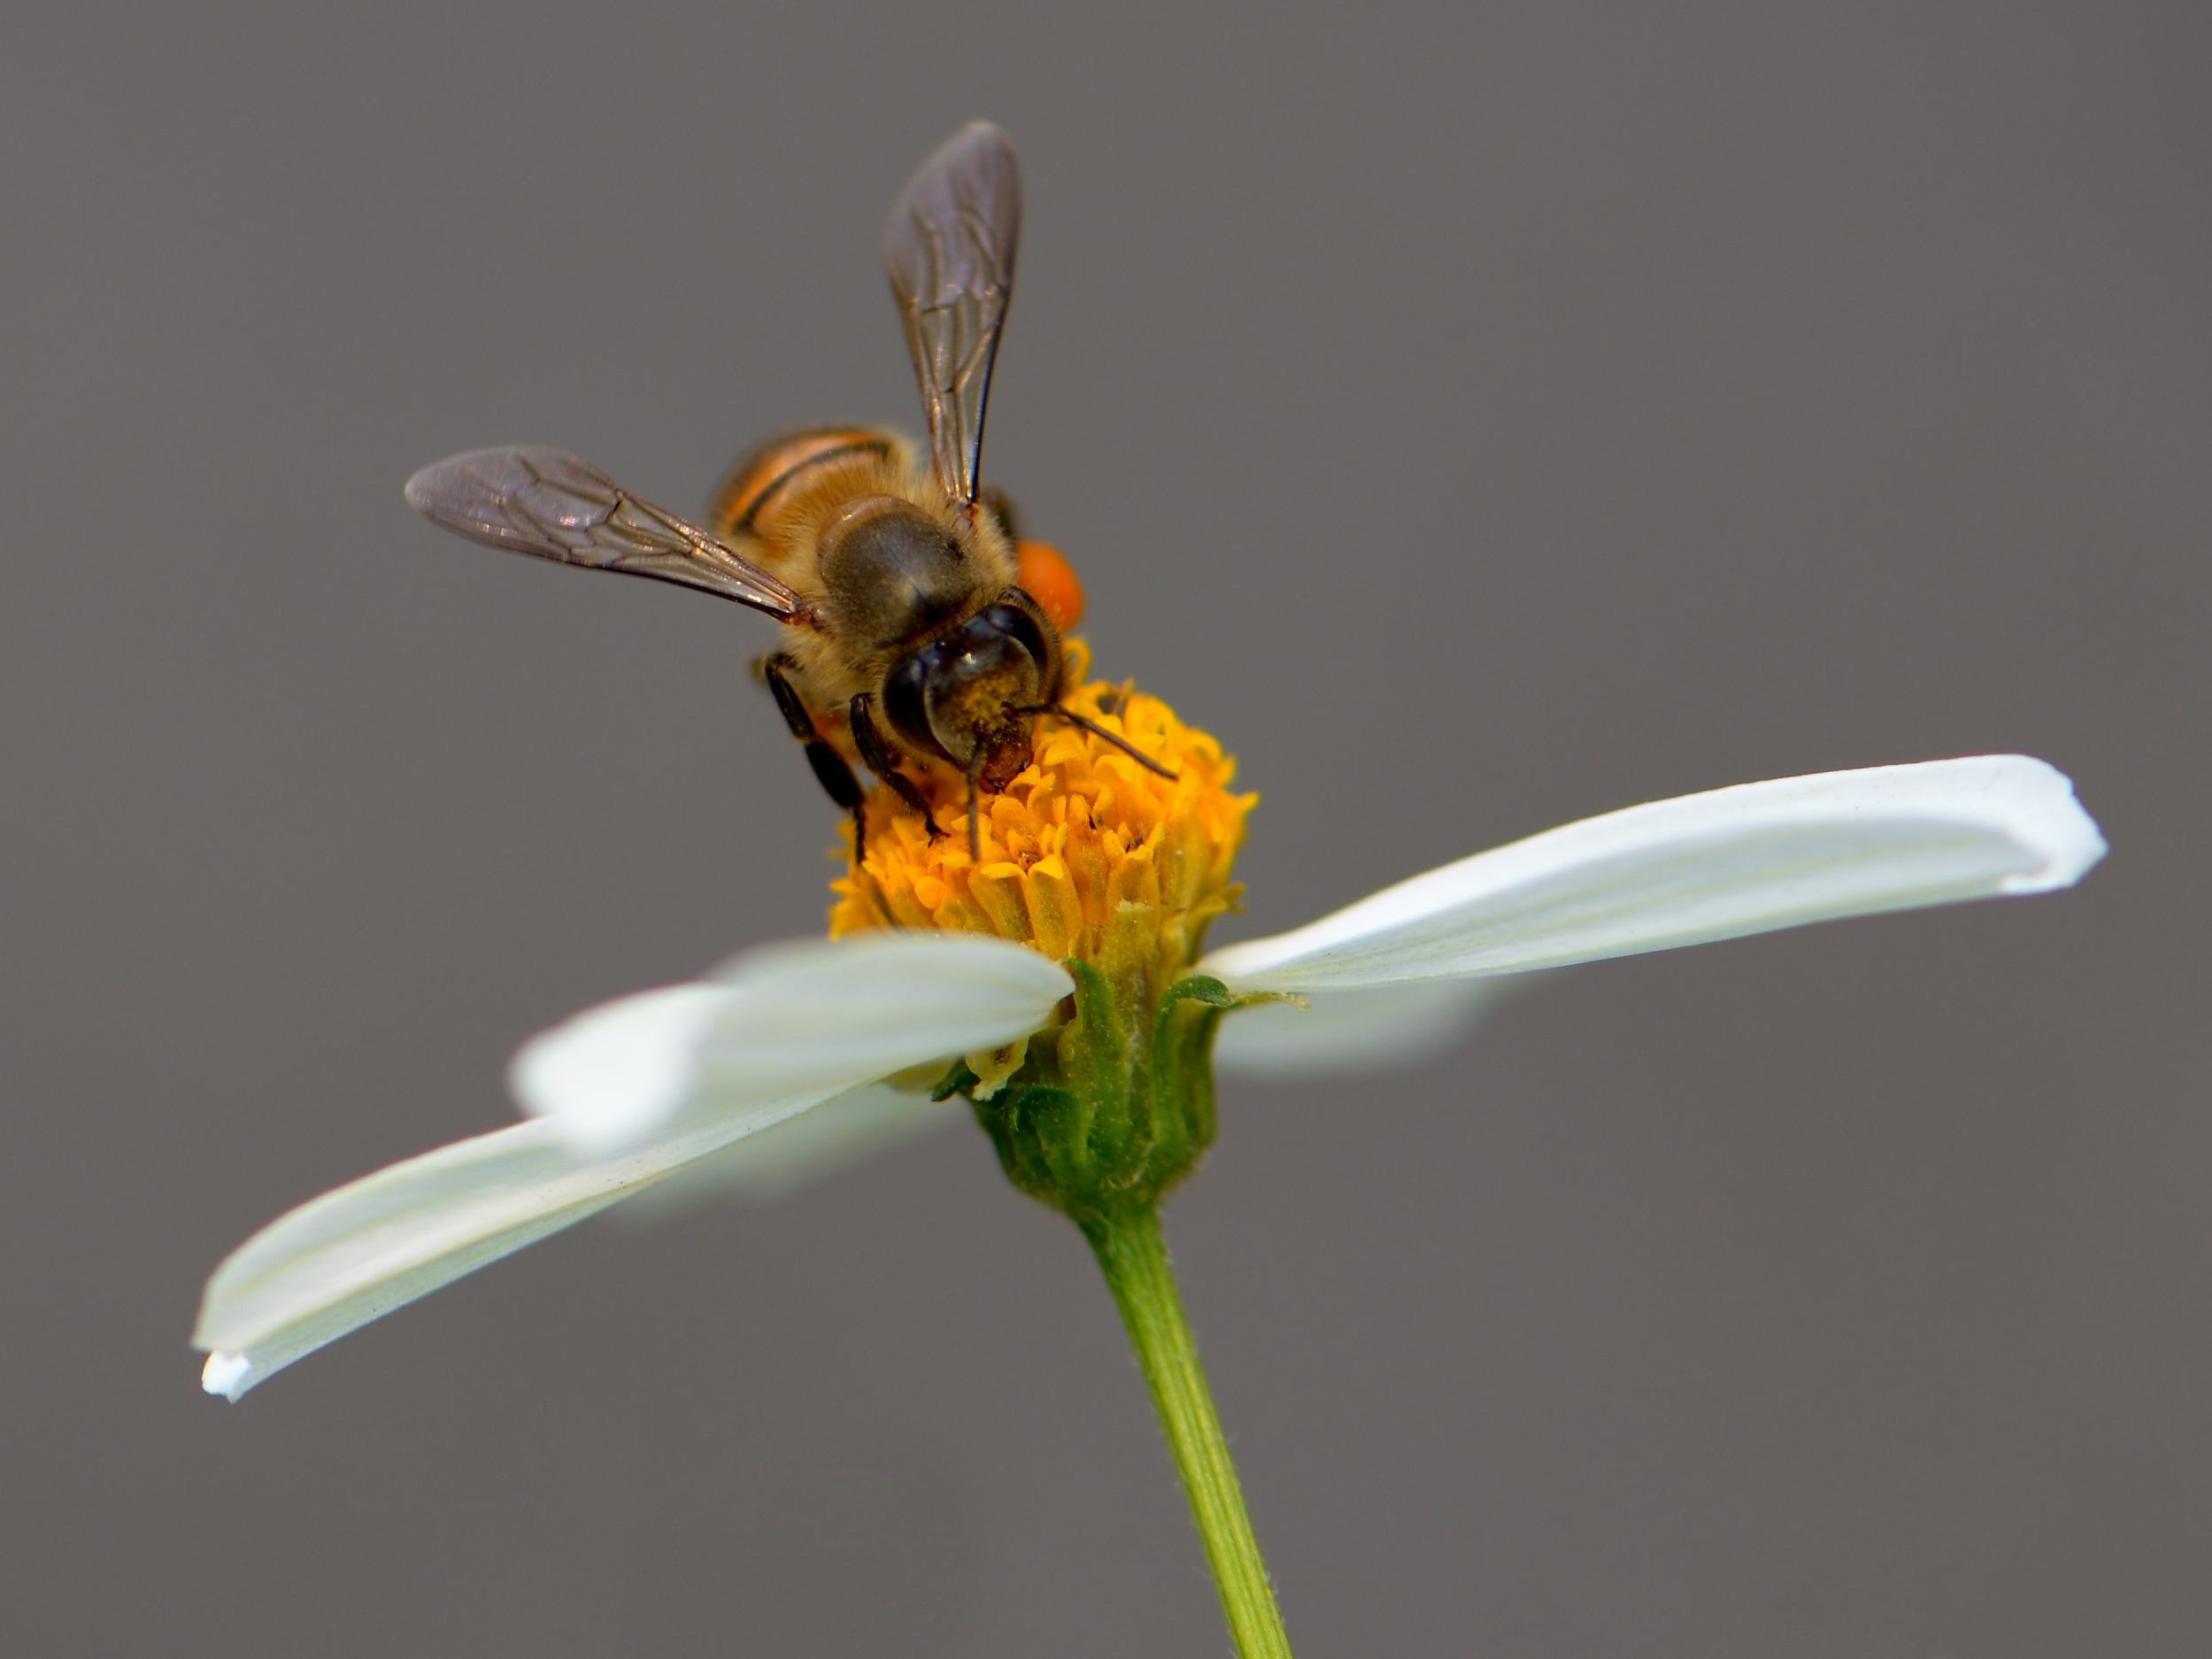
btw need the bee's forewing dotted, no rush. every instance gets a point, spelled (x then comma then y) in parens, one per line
(950, 245)
(547, 501)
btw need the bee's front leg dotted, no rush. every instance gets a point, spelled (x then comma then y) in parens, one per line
(830, 769)
(876, 756)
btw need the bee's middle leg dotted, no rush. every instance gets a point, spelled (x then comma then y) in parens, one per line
(876, 756)
(830, 769)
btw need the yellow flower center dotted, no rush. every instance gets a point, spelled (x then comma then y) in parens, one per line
(1087, 855)
(1085, 847)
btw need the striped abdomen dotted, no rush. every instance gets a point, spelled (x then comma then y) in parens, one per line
(770, 476)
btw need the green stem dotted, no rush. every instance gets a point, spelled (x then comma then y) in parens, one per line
(1134, 1256)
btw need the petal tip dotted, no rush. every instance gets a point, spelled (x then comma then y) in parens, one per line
(229, 1375)
(2045, 815)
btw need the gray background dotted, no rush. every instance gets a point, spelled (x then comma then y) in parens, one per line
(1481, 418)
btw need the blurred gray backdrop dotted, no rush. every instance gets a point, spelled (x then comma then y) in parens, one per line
(1481, 416)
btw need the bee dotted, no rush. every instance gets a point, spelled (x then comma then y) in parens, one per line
(917, 630)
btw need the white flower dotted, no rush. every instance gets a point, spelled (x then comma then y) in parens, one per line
(628, 1093)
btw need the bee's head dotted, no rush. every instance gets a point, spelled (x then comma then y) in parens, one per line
(971, 695)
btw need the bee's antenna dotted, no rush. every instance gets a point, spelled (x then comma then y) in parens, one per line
(1097, 730)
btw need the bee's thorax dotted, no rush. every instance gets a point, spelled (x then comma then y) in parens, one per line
(893, 571)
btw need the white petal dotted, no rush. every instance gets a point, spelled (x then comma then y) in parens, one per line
(673, 1074)
(1359, 1029)
(1715, 866)
(629, 1062)
(820, 1016)
(881, 1002)
(346, 1258)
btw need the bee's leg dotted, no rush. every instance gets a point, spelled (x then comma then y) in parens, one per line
(830, 770)
(876, 757)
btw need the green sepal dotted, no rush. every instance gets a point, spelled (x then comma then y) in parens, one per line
(959, 1080)
(1201, 988)
(1206, 989)
(1032, 1126)
(1096, 1054)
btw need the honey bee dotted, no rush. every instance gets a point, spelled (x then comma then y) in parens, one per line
(918, 630)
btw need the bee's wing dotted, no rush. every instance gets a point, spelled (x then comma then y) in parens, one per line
(545, 501)
(950, 246)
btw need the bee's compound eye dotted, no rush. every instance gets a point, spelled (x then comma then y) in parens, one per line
(1020, 625)
(906, 702)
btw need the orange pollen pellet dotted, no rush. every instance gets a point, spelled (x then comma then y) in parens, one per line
(1051, 580)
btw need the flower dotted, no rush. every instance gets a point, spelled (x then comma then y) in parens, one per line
(1066, 964)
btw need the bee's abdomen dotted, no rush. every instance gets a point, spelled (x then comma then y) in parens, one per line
(767, 477)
